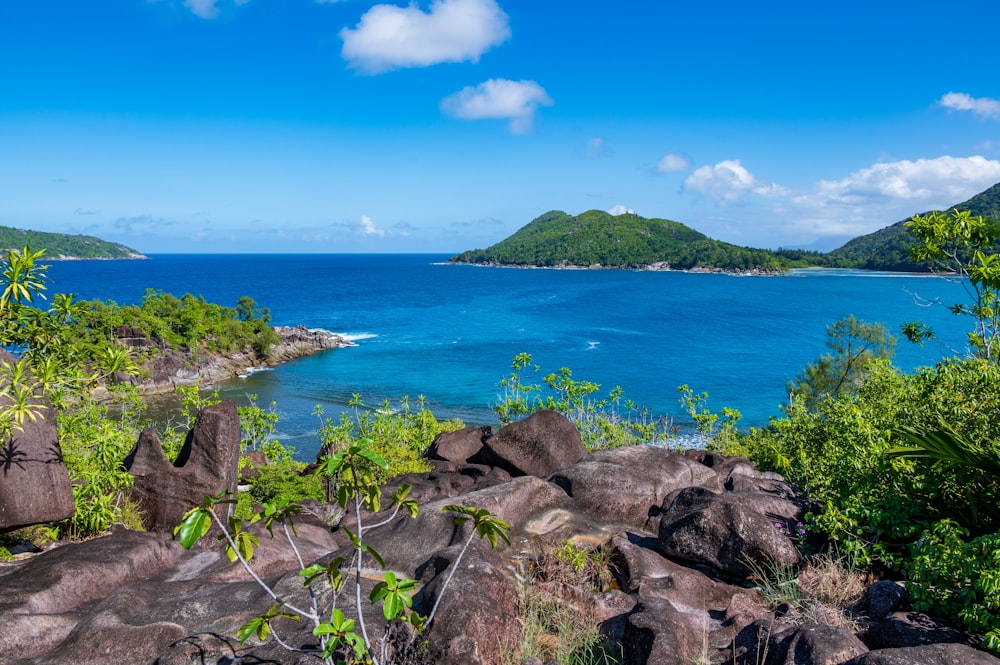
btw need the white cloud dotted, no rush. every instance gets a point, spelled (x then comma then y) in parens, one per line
(621, 210)
(729, 182)
(368, 227)
(203, 8)
(499, 98)
(673, 162)
(942, 181)
(389, 37)
(884, 193)
(984, 106)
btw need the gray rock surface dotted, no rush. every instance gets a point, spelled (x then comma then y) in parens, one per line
(206, 466)
(34, 483)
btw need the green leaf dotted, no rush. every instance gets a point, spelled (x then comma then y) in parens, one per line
(195, 524)
(374, 458)
(375, 555)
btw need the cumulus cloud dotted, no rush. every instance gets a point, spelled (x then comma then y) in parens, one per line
(368, 227)
(886, 192)
(943, 181)
(621, 210)
(389, 37)
(499, 98)
(729, 182)
(983, 106)
(673, 162)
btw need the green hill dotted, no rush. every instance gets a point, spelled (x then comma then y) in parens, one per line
(597, 238)
(888, 248)
(61, 246)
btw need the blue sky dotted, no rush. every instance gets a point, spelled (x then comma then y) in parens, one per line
(445, 125)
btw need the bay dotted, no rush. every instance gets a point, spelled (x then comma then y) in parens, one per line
(449, 332)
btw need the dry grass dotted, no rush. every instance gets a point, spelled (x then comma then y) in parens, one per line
(818, 594)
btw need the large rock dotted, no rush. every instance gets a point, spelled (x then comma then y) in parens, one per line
(932, 654)
(730, 532)
(206, 466)
(911, 629)
(34, 483)
(460, 446)
(685, 616)
(814, 645)
(542, 443)
(627, 485)
(477, 617)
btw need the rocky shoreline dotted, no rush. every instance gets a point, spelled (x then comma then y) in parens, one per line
(659, 266)
(172, 368)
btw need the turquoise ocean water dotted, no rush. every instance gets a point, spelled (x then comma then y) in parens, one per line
(450, 332)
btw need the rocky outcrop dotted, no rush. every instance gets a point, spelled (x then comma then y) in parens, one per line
(170, 368)
(34, 482)
(206, 465)
(137, 597)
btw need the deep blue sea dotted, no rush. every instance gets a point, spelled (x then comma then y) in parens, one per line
(450, 332)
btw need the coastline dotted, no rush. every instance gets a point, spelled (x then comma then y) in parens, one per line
(173, 369)
(659, 266)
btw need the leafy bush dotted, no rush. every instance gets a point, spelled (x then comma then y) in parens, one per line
(400, 435)
(603, 422)
(935, 521)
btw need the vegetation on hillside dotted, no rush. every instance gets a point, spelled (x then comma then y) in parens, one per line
(62, 246)
(188, 323)
(599, 238)
(890, 248)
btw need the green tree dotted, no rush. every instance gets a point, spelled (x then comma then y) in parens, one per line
(963, 246)
(854, 346)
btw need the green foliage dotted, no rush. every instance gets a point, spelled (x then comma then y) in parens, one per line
(958, 576)
(599, 238)
(61, 245)
(965, 246)
(399, 434)
(717, 430)
(186, 323)
(94, 444)
(905, 469)
(604, 422)
(855, 345)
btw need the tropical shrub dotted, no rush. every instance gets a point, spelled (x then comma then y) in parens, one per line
(604, 422)
(931, 519)
(399, 434)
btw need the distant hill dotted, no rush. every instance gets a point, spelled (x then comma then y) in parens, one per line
(597, 238)
(888, 248)
(60, 246)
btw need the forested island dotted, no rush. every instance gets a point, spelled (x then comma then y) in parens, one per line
(597, 239)
(61, 246)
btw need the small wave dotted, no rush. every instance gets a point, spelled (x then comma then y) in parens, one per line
(354, 337)
(247, 372)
